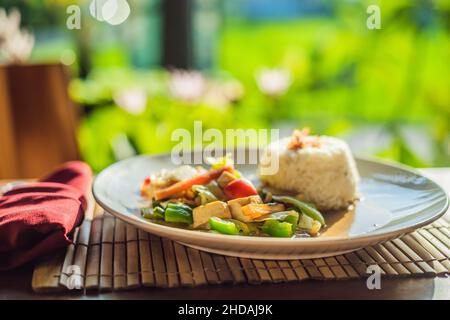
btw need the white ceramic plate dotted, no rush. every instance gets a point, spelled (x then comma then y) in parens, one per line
(394, 200)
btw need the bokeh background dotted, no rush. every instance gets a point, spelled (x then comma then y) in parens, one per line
(254, 64)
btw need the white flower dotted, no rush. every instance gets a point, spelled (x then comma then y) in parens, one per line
(187, 85)
(215, 97)
(133, 101)
(9, 24)
(233, 90)
(16, 45)
(221, 95)
(273, 82)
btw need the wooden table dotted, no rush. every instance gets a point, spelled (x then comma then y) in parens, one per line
(17, 284)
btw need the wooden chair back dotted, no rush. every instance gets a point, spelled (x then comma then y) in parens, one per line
(37, 120)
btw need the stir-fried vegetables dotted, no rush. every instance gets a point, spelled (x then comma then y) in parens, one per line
(204, 178)
(220, 201)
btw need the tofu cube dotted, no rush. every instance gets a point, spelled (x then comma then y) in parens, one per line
(202, 214)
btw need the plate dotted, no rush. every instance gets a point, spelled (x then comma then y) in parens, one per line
(394, 200)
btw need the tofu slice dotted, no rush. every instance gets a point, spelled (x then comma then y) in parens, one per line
(225, 178)
(202, 214)
(236, 205)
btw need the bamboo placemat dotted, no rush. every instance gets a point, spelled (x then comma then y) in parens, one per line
(107, 254)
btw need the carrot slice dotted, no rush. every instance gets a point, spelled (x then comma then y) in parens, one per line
(185, 184)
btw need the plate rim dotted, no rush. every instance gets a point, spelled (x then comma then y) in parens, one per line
(138, 222)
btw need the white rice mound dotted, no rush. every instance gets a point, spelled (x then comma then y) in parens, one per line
(325, 176)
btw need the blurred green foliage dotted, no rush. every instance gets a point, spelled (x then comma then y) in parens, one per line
(347, 80)
(146, 132)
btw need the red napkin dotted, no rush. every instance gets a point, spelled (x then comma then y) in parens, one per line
(38, 218)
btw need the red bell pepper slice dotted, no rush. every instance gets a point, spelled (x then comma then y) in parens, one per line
(239, 188)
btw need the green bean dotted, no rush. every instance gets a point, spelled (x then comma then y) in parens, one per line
(303, 207)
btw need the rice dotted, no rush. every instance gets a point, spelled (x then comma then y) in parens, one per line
(324, 175)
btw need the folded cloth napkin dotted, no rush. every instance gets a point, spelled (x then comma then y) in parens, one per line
(38, 218)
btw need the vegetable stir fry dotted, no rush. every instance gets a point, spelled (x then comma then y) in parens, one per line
(221, 200)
